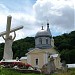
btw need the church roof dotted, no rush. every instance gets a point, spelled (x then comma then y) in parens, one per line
(10, 61)
(22, 58)
(37, 50)
(42, 33)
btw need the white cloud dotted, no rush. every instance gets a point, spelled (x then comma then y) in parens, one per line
(60, 13)
(18, 18)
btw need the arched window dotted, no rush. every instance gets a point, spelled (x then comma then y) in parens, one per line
(36, 61)
(40, 40)
(46, 41)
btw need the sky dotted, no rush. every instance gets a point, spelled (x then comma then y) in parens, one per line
(32, 14)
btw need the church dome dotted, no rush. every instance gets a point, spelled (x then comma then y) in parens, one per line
(43, 33)
(43, 38)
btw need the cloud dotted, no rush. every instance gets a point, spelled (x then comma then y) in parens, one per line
(60, 14)
(18, 18)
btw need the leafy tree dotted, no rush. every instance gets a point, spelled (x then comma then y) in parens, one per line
(64, 43)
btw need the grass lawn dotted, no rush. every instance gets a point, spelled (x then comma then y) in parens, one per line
(9, 72)
(70, 72)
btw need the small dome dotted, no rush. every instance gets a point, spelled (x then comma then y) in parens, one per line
(43, 33)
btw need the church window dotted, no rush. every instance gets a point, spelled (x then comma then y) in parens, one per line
(36, 61)
(40, 40)
(46, 41)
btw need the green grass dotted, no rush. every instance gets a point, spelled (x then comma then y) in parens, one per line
(10, 72)
(70, 72)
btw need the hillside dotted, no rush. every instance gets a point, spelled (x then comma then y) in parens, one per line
(20, 47)
(64, 43)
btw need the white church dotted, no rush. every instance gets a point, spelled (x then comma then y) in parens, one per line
(44, 47)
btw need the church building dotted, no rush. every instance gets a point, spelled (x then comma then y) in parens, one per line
(44, 48)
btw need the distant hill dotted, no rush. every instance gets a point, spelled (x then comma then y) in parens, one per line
(65, 44)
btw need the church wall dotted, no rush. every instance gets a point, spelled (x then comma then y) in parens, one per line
(43, 40)
(52, 42)
(38, 44)
(28, 59)
(40, 58)
(36, 41)
(45, 58)
(51, 50)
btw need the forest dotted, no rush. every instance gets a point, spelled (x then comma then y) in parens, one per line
(64, 44)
